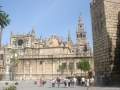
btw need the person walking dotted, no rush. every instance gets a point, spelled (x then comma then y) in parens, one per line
(43, 83)
(58, 81)
(87, 82)
(40, 82)
(92, 81)
(65, 82)
(69, 82)
(83, 81)
(74, 81)
(53, 82)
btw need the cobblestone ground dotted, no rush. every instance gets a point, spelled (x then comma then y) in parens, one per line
(29, 85)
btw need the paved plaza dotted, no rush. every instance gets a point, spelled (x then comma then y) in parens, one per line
(29, 85)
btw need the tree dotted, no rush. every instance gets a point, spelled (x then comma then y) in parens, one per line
(4, 21)
(14, 57)
(84, 65)
(71, 68)
(62, 67)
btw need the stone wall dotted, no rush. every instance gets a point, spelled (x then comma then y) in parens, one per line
(106, 39)
(47, 68)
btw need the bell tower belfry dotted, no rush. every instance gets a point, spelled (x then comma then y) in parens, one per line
(81, 34)
(82, 46)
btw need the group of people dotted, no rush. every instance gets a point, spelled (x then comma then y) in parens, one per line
(87, 81)
(68, 82)
(40, 82)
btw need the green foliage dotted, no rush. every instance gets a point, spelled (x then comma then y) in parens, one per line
(4, 19)
(14, 59)
(83, 65)
(10, 88)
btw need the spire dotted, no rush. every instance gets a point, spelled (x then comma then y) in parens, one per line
(33, 31)
(80, 20)
(40, 36)
(69, 40)
(69, 36)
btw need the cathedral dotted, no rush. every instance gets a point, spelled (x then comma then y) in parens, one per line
(47, 58)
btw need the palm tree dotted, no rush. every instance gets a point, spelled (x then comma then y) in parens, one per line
(4, 21)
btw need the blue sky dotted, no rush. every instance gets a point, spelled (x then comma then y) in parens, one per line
(47, 17)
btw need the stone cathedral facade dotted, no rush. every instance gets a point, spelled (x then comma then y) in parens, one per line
(41, 58)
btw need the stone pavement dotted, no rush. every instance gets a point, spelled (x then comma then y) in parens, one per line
(29, 85)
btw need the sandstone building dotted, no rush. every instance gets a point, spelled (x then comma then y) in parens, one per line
(106, 39)
(42, 58)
